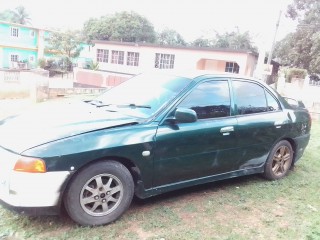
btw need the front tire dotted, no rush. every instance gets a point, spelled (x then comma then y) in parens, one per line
(279, 161)
(99, 194)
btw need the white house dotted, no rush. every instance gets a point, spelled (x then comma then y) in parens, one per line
(134, 58)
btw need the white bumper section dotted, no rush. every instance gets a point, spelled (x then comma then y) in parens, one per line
(32, 189)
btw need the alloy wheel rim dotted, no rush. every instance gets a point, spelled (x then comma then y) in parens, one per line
(281, 161)
(101, 195)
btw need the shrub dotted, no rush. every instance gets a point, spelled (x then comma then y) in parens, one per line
(42, 63)
(295, 73)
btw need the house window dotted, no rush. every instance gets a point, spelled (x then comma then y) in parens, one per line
(117, 57)
(31, 58)
(102, 55)
(133, 59)
(164, 61)
(14, 32)
(232, 67)
(14, 58)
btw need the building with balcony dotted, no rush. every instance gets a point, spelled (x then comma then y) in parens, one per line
(21, 46)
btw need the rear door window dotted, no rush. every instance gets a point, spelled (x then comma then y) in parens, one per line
(250, 98)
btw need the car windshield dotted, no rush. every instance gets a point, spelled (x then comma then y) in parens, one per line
(143, 95)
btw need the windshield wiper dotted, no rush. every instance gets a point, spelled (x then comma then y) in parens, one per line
(93, 102)
(103, 105)
(133, 105)
(97, 103)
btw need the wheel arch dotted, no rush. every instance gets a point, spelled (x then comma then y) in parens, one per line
(294, 148)
(129, 164)
(268, 172)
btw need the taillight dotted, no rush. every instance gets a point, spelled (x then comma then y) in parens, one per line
(31, 165)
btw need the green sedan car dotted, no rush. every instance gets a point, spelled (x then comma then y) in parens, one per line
(152, 134)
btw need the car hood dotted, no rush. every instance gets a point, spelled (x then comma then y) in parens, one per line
(56, 120)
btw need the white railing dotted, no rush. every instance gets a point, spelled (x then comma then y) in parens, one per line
(314, 83)
(11, 76)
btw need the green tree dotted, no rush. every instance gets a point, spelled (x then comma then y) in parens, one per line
(98, 29)
(65, 44)
(306, 11)
(21, 16)
(6, 15)
(201, 42)
(227, 40)
(284, 49)
(123, 26)
(170, 37)
(314, 66)
(301, 48)
(18, 15)
(234, 40)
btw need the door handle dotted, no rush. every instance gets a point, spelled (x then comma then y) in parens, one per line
(227, 129)
(278, 124)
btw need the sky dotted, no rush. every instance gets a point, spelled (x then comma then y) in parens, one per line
(190, 18)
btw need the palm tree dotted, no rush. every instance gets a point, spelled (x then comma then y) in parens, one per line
(6, 15)
(20, 15)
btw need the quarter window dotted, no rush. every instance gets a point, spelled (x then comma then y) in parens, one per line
(14, 32)
(209, 100)
(249, 97)
(117, 57)
(273, 104)
(232, 67)
(164, 61)
(133, 59)
(102, 55)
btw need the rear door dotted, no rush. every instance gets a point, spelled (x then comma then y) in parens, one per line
(261, 122)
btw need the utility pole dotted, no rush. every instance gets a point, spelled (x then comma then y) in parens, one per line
(274, 39)
(272, 46)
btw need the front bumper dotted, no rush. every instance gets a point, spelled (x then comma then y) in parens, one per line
(20, 190)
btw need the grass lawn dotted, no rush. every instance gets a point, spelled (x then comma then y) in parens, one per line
(243, 208)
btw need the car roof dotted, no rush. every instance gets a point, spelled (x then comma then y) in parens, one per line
(199, 74)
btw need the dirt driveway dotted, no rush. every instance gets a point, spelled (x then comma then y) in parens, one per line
(12, 106)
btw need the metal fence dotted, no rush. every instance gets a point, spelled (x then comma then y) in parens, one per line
(314, 83)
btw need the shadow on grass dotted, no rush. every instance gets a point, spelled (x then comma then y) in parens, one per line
(181, 194)
(63, 222)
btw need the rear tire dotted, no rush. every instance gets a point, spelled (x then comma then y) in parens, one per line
(279, 161)
(99, 194)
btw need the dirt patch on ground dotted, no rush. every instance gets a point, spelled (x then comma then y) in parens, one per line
(13, 106)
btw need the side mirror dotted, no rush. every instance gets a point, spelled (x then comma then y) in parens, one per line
(184, 115)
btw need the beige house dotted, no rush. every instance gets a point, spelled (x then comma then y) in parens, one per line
(134, 58)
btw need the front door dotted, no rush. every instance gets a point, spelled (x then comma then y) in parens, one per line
(187, 151)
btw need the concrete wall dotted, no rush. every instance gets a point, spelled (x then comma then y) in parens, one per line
(300, 89)
(24, 84)
(99, 78)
